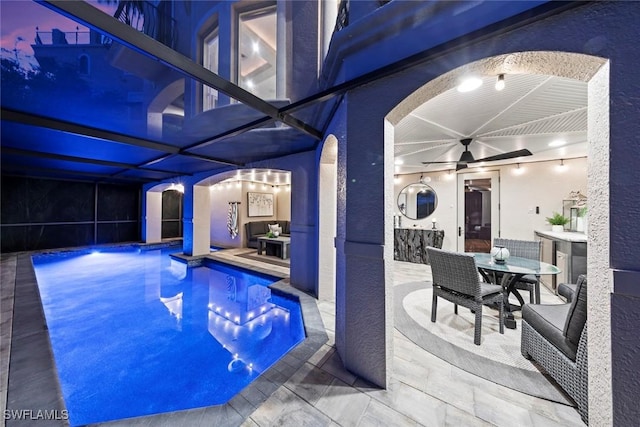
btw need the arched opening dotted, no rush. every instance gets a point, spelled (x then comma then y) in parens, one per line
(234, 208)
(162, 212)
(327, 190)
(172, 212)
(593, 72)
(166, 111)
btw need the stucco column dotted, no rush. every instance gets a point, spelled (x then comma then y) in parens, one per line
(196, 220)
(364, 318)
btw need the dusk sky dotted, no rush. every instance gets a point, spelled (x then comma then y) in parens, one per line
(19, 18)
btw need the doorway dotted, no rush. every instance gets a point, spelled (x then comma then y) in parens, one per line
(478, 210)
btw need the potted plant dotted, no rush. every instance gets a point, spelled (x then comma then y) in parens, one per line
(557, 221)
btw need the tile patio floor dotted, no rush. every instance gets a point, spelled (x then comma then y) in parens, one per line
(424, 391)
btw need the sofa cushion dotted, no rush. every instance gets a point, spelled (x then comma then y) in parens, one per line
(284, 226)
(577, 316)
(549, 320)
(256, 227)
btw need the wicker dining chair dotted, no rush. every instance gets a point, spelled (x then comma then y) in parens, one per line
(529, 249)
(456, 279)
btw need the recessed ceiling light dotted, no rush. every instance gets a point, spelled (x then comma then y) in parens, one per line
(469, 84)
(557, 143)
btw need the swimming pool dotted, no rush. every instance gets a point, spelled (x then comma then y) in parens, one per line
(135, 332)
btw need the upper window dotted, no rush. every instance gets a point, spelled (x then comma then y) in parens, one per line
(257, 46)
(210, 62)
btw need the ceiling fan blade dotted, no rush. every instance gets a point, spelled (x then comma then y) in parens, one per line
(505, 156)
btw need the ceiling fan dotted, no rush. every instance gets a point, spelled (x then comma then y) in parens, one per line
(467, 157)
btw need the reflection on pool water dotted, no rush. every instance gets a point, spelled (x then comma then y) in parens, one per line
(135, 332)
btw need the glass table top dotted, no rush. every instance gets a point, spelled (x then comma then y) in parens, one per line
(514, 265)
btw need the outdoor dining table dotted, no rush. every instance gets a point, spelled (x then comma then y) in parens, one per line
(513, 269)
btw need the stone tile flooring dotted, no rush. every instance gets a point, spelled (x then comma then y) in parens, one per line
(424, 391)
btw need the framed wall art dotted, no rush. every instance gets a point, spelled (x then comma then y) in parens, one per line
(260, 204)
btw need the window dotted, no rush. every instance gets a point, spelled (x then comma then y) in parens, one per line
(257, 41)
(210, 62)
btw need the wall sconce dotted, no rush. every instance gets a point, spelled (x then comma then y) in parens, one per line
(561, 167)
(518, 170)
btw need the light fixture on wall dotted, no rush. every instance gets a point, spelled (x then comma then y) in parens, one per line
(177, 187)
(425, 179)
(518, 170)
(500, 82)
(396, 179)
(561, 167)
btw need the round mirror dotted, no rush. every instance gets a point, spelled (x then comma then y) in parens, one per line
(417, 201)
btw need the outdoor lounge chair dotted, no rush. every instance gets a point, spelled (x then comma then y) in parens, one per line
(456, 279)
(555, 336)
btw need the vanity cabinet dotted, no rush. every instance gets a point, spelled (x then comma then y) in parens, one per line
(410, 244)
(566, 250)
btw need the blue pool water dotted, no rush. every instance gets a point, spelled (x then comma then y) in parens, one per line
(136, 333)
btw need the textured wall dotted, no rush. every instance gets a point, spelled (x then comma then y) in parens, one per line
(597, 32)
(626, 353)
(599, 248)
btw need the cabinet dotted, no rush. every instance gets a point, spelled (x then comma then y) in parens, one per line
(567, 251)
(409, 244)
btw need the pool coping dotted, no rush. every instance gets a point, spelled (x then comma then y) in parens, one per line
(32, 380)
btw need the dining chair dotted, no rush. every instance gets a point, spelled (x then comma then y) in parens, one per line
(529, 249)
(456, 279)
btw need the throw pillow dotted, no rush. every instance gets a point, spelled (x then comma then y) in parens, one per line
(577, 312)
(275, 228)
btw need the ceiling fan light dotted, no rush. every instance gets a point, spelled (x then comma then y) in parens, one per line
(469, 84)
(500, 82)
